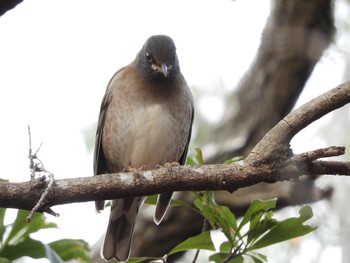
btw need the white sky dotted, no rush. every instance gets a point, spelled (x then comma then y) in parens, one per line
(56, 58)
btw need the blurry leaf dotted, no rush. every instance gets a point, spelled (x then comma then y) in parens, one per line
(176, 202)
(201, 241)
(69, 249)
(51, 255)
(258, 258)
(225, 246)
(234, 160)
(220, 257)
(199, 156)
(287, 229)
(190, 161)
(255, 207)
(2, 226)
(238, 259)
(226, 221)
(151, 199)
(29, 247)
(4, 260)
(207, 211)
(21, 229)
(258, 229)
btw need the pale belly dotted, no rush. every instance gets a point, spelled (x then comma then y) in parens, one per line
(152, 136)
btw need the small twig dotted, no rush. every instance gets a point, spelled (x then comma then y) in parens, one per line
(36, 165)
(42, 198)
(319, 153)
(31, 157)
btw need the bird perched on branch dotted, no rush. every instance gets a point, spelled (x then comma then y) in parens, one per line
(145, 120)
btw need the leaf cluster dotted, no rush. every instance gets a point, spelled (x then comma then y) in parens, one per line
(16, 242)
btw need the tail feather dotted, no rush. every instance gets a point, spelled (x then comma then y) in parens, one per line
(162, 206)
(117, 243)
(99, 205)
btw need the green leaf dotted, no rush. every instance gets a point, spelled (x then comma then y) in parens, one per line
(225, 246)
(234, 160)
(176, 202)
(69, 249)
(51, 255)
(199, 156)
(220, 257)
(151, 199)
(29, 247)
(206, 211)
(287, 229)
(227, 222)
(255, 207)
(238, 259)
(201, 241)
(190, 162)
(256, 230)
(2, 226)
(258, 258)
(21, 229)
(4, 260)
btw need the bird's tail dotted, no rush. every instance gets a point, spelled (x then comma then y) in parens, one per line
(117, 243)
(162, 206)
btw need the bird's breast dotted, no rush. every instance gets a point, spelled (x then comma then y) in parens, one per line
(145, 134)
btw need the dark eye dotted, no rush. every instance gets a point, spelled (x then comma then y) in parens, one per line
(149, 57)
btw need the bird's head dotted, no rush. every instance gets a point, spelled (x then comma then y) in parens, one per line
(157, 59)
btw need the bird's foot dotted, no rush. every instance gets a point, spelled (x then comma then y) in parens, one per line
(171, 164)
(135, 170)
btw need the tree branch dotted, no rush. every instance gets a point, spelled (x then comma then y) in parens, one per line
(270, 161)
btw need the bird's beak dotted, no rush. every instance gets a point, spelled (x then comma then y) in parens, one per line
(164, 69)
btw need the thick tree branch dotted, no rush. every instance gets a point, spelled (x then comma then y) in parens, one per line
(295, 36)
(288, 127)
(6, 5)
(270, 161)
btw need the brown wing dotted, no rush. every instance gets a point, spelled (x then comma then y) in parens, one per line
(100, 164)
(182, 159)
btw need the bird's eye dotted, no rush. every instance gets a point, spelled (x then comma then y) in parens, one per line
(148, 57)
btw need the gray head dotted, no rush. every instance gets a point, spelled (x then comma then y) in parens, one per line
(157, 60)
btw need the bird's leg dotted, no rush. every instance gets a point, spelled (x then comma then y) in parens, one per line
(135, 170)
(168, 165)
(171, 164)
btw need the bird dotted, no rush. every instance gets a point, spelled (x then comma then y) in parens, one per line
(145, 120)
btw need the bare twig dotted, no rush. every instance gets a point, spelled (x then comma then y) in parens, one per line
(35, 166)
(34, 162)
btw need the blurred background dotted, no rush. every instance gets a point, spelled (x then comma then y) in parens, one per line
(248, 64)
